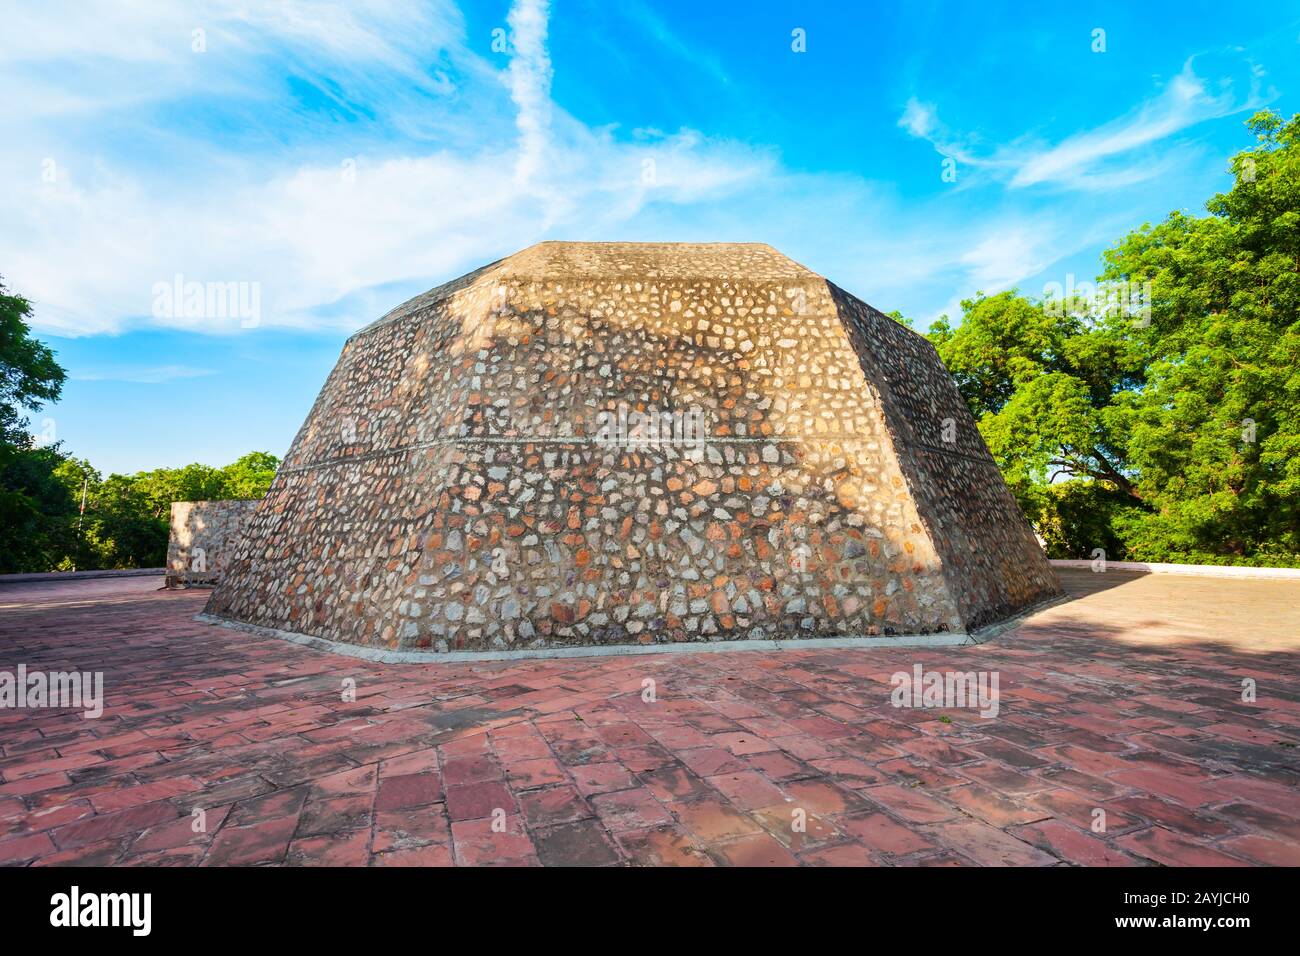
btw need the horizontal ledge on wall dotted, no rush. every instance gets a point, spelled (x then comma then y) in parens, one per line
(1195, 570)
(384, 655)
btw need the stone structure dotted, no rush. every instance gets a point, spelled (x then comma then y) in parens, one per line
(610, 443)
(203, 535)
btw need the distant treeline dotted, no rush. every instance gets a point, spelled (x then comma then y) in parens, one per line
(126, 518)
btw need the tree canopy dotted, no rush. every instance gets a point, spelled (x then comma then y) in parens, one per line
(127, 517)
(1169, 432)
(29, 376)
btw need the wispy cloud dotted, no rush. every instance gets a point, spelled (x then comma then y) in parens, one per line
(342, 157)
(529, 75)
(922, 121)
(143, 375)
(1109, 156)
(1186, 101)
(318, 220)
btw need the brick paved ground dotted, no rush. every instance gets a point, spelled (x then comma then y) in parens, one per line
(1125, 700)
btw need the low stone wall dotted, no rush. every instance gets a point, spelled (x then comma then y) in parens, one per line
(37, 577)
(1195, 570)
(203, 535)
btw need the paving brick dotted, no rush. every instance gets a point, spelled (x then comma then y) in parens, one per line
(1173, 849)
(911, 805)
(742, 744)
(347, 848)
(1268, 851)
(23, 849)
(758, 849)
(500, 842)
(106, 853)
(551, 805)
(581, 843)
(180, 832)
(1279, 824)
(1172, 785)
(602, 778)
(847, 854)
(1000, 777)
(879, 833)
(778, 766)
(460, 771)
(403, 791)
(671, 784)
(747, 790)
(477, 800)
(271, 806)
(711, 761)
(986, 845)
(411, 829)
(417, 856)
(105, 826)
(266, 842)
(662, 846)
(850, 772)
(1171, 816)
(992, 807)
(794, 827)
(1071, 844)
(714, 820)
(335, 815)
(635, 809)
(824, 797)
(533, 773)
(910, 772)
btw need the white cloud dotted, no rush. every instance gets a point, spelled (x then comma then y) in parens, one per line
(450, 157)
(1110, 156)
(1004, 258)
(144, 375)
(320, 223)
(529, 75)
(1078, 159)
(918, 118)
(922, 121)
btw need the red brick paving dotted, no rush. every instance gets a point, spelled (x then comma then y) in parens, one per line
(1126, 699)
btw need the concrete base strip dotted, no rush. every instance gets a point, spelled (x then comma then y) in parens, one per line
(384, 655)
(1196, 570)
(989, 631)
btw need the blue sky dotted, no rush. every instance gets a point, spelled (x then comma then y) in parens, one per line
(333, 159)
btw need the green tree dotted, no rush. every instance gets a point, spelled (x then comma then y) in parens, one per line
(37, 510)
(29, 376)
(34, 504)
(1041, 382)
(1214, 435)
(1175, 426)
(250, 476)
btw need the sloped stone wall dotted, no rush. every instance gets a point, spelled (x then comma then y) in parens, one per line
(992, 562)
(604, 443)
